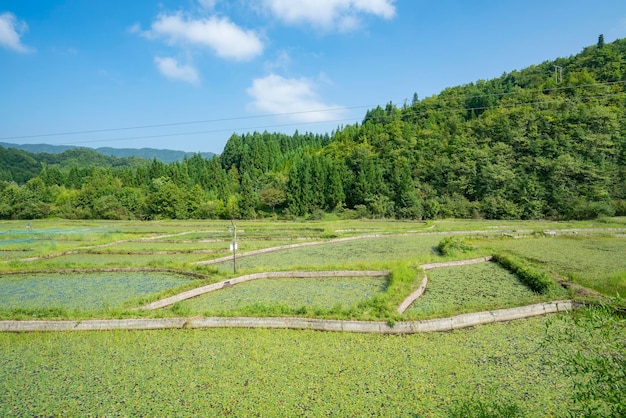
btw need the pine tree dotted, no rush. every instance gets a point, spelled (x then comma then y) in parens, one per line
(249, 199)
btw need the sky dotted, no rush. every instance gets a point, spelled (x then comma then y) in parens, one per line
(187, 74)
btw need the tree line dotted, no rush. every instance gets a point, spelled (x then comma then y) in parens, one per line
(529, 144)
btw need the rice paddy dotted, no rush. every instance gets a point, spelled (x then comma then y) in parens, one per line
(323, 293)
(269, 372)
(82, 291)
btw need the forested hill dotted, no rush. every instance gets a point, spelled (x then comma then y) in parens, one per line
(165, 155)
(548, 141)
(20, 166)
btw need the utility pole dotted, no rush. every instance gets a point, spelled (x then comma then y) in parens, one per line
(558, 74)
(233, 246)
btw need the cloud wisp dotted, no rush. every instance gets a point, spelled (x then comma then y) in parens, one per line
(11, 31)
(207, 4)
(295, 98)
(224, 38)
(329, 15)
(170, 68)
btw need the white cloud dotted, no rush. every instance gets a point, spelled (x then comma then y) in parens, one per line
(340, 15)
(135, 28)
(222, 36)
(169, 67)
(294, 97)
(11, 30)
(208, 4)
(282, 61)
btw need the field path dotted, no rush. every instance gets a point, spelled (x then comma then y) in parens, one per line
(404, 327)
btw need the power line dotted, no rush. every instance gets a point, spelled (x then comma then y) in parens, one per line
(208, 132)
(162, 125)
(408, 113)
(334, 109)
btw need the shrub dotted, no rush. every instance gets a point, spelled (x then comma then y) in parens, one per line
(595, 358)
(453, 245)
(538, 281)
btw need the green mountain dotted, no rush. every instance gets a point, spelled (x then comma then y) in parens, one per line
(167, 156)
(545, 141)
(20, 166)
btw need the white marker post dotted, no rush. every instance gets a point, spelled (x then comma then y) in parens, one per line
(233, 246)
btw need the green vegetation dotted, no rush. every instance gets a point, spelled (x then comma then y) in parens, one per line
(21, 166)
(366, 253)
(50, 245)
(81, 291)
(286, 294)
(481, 409)
(164, 155)
(594, 262)
(592, 352)
(538, 281)
(477, 287)
(228, 371)
(500, 369)
(453, 246)
(515, 147)
(342, 298)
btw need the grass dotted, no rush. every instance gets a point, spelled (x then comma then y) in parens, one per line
(378, 299)
(184, 245)
(277, 373)
(88, 260)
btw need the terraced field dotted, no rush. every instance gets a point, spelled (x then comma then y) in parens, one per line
(215, 372)
(82, 291)
(359, 252)
(322, 293)
(597, 262)
(470, 289)
(241, 372)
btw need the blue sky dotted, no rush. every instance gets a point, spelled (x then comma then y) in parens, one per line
(192, 72)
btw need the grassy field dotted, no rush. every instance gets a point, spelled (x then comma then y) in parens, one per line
(593, 261)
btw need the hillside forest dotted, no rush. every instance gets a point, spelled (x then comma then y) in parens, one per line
(548, 141)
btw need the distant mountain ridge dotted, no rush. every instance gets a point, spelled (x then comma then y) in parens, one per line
(165, 155)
